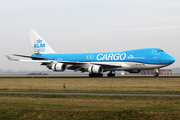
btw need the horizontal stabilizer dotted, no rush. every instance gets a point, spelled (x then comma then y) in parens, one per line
(29, 56)
(11, 59)
(36, 61)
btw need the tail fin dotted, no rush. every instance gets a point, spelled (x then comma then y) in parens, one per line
(38, 44)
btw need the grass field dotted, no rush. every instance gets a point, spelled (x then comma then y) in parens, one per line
(87, 107)
(93, 85)
(90, 107)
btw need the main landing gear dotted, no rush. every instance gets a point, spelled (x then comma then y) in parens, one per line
(156, 73)
(95, 75)
(110, 74)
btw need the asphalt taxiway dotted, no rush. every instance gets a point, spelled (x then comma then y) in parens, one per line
(93, 94)
(85, 76)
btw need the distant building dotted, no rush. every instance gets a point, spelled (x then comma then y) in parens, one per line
(151, 72)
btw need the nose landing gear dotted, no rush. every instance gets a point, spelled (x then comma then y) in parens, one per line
(156, 73)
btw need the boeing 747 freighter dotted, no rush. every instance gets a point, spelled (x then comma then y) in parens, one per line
(132, 61)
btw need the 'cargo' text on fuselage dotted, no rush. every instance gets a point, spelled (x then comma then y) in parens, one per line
(111, 56)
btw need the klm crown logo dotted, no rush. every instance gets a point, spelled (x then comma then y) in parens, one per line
(39, 46)
(39, 41)
(131, 57)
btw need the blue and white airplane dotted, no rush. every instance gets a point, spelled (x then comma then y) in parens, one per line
(96, 64)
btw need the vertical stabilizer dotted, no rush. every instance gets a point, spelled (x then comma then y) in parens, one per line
(38, 44)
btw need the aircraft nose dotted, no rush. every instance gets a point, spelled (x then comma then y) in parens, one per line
(171, 59)
(167, 59)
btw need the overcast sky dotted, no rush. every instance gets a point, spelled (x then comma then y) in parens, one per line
(70, 26)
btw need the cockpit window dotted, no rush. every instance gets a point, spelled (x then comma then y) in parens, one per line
(160, 51)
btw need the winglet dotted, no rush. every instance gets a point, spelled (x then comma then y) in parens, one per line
(11, 59)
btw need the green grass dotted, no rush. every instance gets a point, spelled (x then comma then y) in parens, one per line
(14, 106)
(87, 107)
(93, 85)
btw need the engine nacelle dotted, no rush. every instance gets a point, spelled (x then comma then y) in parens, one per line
(95, 69)
(59, 67)
(134, 71)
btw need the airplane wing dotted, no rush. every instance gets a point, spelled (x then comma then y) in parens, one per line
(76, 66)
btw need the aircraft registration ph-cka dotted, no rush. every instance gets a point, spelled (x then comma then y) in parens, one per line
(132, 61)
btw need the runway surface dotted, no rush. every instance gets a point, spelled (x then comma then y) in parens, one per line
(85, 76)
(94, 94)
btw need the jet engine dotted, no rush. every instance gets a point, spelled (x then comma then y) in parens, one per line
(59, 67)
(134, 71)
(95, 69)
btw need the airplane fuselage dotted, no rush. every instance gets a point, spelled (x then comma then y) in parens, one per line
(147, 58)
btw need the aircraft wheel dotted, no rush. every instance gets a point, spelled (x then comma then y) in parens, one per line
(111, 75)
(100, 75)
(90, 75)
(95, 75)
(156, 74)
